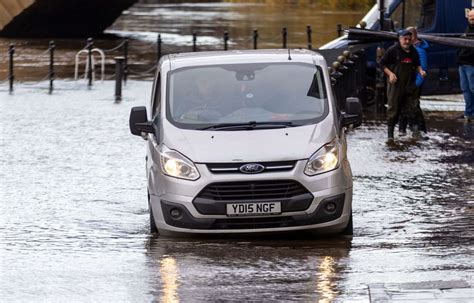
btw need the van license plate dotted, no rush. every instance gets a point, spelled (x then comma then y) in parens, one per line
(252, 209)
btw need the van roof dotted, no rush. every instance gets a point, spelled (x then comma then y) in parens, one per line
(243, 56)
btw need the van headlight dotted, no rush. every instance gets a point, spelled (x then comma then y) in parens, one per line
(176, 165)
(324, 160)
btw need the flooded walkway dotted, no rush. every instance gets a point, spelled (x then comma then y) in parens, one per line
(74, 214)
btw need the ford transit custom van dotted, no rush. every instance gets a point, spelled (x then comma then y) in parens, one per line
(246, 142)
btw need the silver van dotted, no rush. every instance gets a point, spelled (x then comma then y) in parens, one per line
(246, 142)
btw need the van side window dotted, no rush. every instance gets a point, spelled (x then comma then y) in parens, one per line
(419, 13)
(157, 97)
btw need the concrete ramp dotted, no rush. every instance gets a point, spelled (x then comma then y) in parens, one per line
(58, 18)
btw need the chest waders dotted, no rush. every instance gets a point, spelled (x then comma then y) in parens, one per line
(402, 96)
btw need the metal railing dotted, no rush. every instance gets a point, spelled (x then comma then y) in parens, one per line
(347, 72)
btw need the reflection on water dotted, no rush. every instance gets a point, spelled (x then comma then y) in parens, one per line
(250, 268)
(326, 280)
(169, 276)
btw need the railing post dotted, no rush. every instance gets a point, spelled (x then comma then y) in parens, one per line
(194, 42)
(339, 30)
(125, 60)
(345, 79)
(351, 73)
(52, 47)
(90, 45)
(308, 32)
(158, 48)
(255, 38)
(379, 81)
(226, 39)
(11, 76)
(338, 84)
(119, 68)
(285, 35)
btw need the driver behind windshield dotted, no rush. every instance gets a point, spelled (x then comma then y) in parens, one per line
(200, 102)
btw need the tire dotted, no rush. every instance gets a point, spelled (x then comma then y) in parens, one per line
(349, 230)
(153, 228)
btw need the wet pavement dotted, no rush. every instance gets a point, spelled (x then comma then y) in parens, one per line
(74, 220)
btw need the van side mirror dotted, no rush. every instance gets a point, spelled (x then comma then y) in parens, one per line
(139, 121)
(353, 112)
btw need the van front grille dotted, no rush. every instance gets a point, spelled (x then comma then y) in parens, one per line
(229, 168)
(252, 190)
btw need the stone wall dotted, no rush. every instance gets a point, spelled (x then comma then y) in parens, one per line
(59, 18)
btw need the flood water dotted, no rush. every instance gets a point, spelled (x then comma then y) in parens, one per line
(73, 206)
(74, 220)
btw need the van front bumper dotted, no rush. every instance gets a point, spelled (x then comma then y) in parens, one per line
(183, 219)
(178, 208)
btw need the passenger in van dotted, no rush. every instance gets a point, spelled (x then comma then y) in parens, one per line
(466, 71)
(421, 46)
(401, 62)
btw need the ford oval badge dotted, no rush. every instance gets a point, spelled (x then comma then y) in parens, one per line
(252, 168)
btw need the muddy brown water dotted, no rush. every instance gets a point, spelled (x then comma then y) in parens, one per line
(176, 21)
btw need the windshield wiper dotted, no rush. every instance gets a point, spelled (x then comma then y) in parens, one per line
(250, 125)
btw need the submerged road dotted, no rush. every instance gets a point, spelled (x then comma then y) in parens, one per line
(74, 221)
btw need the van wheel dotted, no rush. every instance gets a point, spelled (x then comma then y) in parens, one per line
(153, 228)
(348, 231)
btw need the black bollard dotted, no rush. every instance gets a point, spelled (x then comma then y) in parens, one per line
(194, 42)
(226, 39)
(158, 48)
(339, 30)
(308, 32)
(119, 67)
(125, 61)
(284, 33)
(255, 38)
(11, 76)
(52, 47)
(90, 45)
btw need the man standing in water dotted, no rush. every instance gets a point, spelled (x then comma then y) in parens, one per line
(401, 63)
(466, 71)
(421, 46)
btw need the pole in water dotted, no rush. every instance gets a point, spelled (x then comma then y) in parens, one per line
(194, 42)
(119, 67)
(90, 45)
(11, 76)
(125, 61)
(52, 47)
(285, 35)
(226, 39)
(158, 48)
(308, 32)
(255, 38)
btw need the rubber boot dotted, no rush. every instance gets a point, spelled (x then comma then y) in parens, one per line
(415, 132)
(390, 133)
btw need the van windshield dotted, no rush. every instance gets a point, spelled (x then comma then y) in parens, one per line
(203, 97)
